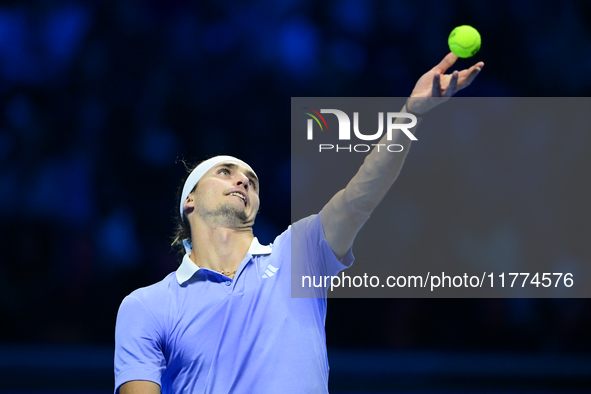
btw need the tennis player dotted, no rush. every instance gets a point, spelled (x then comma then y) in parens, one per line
(225, 321)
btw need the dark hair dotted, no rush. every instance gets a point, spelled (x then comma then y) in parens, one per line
(182, 227)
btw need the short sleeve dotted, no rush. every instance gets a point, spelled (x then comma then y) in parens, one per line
(308, 236)
(138, 344)
(313, 261)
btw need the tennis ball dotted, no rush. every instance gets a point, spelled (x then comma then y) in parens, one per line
(464, 41)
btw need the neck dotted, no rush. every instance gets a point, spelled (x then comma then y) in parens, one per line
(219, 248)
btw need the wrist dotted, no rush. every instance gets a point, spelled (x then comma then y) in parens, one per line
(407, 110)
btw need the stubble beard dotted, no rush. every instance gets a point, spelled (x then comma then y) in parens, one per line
(225, 215)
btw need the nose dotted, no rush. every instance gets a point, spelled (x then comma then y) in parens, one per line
(242, 180)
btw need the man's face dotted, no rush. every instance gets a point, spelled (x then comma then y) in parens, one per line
(227, 195)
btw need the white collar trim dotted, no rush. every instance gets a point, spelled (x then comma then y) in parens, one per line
(188, 268)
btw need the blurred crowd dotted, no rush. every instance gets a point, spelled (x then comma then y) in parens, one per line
(103, 103)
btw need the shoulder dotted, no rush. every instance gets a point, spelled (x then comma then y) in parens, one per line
(301, 234)
(308, 229)
(302, 226)
(307, 224)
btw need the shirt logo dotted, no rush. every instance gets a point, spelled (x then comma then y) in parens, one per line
(270, 271)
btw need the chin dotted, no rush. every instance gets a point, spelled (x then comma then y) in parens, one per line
(232, 211)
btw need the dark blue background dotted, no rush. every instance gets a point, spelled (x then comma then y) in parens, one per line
(100, 100)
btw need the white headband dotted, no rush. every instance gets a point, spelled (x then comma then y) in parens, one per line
(198, 173)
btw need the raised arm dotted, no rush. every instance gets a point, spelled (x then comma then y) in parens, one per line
(349, 209)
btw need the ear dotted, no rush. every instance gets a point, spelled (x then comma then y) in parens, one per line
(189, 204)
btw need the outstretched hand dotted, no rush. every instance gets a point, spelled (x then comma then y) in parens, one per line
(436, 87)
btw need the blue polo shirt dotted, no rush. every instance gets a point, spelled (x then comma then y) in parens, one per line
(197, 331)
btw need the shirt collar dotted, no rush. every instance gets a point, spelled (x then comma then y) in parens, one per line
(188, 268)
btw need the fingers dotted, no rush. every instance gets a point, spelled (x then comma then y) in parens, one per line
(452, 88)
(471, 74)
(436, 89)
(446, 63)
(457, 80)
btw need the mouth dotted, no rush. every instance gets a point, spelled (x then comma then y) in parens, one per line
(240, 195)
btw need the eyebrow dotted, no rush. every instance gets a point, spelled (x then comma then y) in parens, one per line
(233, 166)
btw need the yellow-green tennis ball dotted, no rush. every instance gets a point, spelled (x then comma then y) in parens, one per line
(464, 41)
